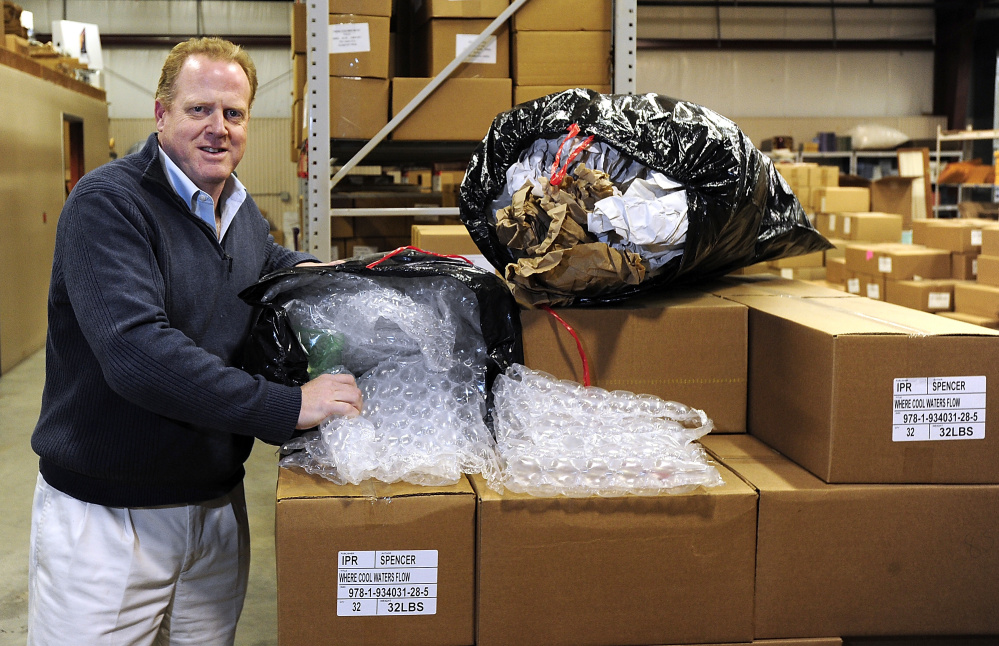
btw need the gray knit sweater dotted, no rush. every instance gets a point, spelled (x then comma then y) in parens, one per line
(143, 402)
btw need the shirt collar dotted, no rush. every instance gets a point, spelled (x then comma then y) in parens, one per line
(233, 192)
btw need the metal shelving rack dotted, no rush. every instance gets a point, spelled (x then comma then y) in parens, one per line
(319, 183)
(966, 136)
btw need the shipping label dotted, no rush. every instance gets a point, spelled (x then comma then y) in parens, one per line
(349, 38)
(938, 300)
(484, 53)
(853, 285)
(938, 408)
(976, 237)
(846, 225)
(884, 264)
(389, 582)
(874, 291)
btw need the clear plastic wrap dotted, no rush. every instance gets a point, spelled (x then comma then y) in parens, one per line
(558, 437)
(415, 347)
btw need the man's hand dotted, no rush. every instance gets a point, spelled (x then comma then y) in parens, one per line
(329, 395)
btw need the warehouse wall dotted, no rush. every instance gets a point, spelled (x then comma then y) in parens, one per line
(32, 183)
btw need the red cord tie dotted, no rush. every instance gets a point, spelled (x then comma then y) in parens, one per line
(579, 344)
(558, 174)
(399, 250)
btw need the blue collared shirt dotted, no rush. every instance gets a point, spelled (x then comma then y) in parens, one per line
(201, 203)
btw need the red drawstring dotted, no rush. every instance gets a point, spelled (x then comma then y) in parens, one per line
(429, 253)
(579, 344)
(558, 174)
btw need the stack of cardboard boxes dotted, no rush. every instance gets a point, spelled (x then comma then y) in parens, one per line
(977, 301)
(560, 44)
(861, 485)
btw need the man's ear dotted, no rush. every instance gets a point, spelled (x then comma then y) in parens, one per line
(159, 110)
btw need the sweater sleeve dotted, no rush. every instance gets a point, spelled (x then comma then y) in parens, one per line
(117, 292)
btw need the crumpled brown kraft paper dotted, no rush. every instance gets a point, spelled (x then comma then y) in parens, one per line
(561, 259)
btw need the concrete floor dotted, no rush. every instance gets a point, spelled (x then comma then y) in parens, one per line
(20, 400)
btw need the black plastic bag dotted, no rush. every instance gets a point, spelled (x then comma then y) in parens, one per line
(275, 351)
(740, 211)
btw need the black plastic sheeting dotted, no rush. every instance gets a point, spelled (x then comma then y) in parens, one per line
(274, 351)
(740, 210)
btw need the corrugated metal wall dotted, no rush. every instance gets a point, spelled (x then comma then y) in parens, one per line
(266, 169)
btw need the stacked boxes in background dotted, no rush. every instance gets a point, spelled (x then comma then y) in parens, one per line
(560, 44)
(978, 302)
(359, 67)
(805, 178)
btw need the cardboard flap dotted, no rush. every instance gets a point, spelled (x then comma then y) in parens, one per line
(295, 483)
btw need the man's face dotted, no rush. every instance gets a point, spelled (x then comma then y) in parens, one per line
(204, 129)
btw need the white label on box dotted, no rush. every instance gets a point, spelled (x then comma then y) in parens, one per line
(787, 272)
(853, 285)
(974, 267)
(938, 301)
(884, 264)
(390, 582)
(484, 53)
(976, 237)
(349, 38)
(846, 225)
(832, 217)
(938, 408)
(874, 291)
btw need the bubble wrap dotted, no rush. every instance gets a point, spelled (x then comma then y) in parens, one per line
(419, 357)
(557, 437)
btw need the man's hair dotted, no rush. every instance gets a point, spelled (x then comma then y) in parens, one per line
(215, 49)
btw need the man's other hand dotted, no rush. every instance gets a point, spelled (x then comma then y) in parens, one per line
(328, 395)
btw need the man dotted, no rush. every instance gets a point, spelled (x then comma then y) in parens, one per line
(139, 531)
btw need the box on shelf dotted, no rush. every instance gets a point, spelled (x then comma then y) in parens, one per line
(365, 113)
(897, 261)
(463, 9)
(299, 34)
(961, 236)
(626, 570)
(525, 93)
(332, 545)
(447, 239)
(894, 194)
(990, 241)
(361, 7)
(858, 390)
(924, 295)
(988, 270)
(359, 45)
(964, 266)
(869, 560)
(687, 347)
(833, 199)
(535, 51)
(563, 15)
(460, 109)
(442, 39)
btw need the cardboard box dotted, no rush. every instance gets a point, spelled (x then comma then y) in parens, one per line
(814, 259)
(525, 93)
(894, 194)
(362, 7)
(964, 266)
(299, 33)
(867, 560)
(961, 236)
(823, 176)
(319, 525)
(797, 174)
(447, 239)
(974, 319)
(767, 285)
(802, 273)
(988, 270)
(990, 241)
(975, 298)
(627, 570)
(460, 109)
(462, 9)
(359, 45)
(687, 347)
(358, 107)
(834, 199)
(869, 226)
(898, 261)
(563, 15)
(535, 51)
(923, 295)
(442, 39)
(835, 270)
(835, 385)
(872, 287)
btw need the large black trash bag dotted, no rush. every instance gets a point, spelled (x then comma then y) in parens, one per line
(275, 351)
(740, 211)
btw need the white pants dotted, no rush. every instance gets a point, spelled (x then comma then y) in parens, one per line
(170, 575)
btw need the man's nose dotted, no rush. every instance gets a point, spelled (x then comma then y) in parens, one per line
(216, 124)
